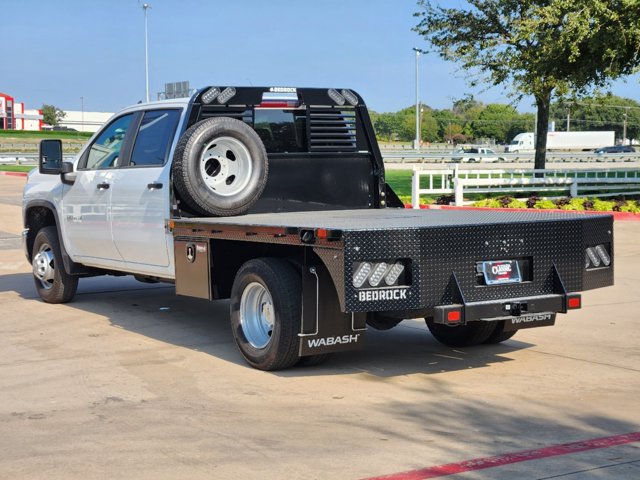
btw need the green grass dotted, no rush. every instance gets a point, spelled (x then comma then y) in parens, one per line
(61, 134)
(16, 168)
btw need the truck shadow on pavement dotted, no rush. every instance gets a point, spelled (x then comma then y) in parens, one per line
(156, 312)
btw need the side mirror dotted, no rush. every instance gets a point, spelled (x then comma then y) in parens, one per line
(50, 157)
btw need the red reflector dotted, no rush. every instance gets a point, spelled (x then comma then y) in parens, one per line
(454, 316)
(573, 302)
(322, 233)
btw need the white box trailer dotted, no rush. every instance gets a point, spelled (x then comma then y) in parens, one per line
(524, 142)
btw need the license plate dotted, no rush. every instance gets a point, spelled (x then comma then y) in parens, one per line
(498, 272)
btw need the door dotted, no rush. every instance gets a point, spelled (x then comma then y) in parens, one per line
(140, 197)
(85, 203)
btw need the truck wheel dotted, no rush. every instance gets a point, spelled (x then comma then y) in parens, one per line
(220, 167)
(499, 335)
(266, 310)
(468, 335)
(53, 283)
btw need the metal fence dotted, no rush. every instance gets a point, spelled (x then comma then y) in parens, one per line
(411, 156)
(574, 183)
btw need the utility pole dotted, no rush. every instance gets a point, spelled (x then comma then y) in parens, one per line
(416, 142)
(145, 7)
(82, 110)
(568, 117)
(624, 126)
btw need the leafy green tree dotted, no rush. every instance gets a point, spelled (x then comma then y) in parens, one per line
(51, 114)
(541, 47)
(524, 122)
(449, 124)
(495, 122)
(387, 125)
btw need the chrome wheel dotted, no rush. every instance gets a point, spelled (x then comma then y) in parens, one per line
(43, 266)
(257, 315)
(226, 166)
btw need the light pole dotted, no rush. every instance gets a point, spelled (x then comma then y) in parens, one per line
(416, 142)
(82, 110)
(624, 126)
(145, 7)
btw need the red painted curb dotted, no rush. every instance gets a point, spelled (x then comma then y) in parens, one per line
(14, 174)
(623, 216)
(516, 457)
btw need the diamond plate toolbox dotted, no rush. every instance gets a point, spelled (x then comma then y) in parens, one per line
(438, 256)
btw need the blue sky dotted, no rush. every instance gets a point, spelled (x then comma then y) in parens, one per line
(57, 51)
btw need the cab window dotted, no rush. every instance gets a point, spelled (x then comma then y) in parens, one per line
(154, 138)
(105, 150)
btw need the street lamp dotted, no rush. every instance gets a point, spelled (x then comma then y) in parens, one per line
(145, 7)
(416, 142)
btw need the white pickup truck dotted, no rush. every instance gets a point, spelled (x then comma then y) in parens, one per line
(276, 198)
(476, 154)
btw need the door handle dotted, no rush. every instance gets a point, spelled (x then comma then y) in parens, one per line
(103, 186)
(154, 186)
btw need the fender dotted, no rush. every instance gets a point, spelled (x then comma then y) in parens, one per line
(71, 267)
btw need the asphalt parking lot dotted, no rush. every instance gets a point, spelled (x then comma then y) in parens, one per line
(131, 381)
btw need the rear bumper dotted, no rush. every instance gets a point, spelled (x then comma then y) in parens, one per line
(520, 311)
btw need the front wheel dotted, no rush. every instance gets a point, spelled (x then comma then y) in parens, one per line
(266, 310)
(468, 335)
(53, 283)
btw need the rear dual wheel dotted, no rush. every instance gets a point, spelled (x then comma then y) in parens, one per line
(266, 311)
(471, 334)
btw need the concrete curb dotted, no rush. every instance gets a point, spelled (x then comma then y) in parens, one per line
(14, 174)
(619, 216)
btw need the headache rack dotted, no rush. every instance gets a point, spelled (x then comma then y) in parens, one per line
(320, 143)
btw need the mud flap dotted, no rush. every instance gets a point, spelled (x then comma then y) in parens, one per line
(325, 328)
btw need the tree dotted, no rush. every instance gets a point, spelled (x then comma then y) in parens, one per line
(541, 47)
(495, 122)
(51, 115)
(387, 125)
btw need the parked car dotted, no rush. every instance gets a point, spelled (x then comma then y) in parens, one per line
(615, 149)
(476, 155)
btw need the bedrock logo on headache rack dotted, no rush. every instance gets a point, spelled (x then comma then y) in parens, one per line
(390, 294)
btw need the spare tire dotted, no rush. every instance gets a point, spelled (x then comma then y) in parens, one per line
(220, 167)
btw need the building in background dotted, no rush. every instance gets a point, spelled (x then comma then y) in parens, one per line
(13, 115)
(83, 121)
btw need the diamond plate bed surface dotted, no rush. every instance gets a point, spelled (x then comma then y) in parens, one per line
(385, 219)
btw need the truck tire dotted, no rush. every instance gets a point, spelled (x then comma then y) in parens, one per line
(220, 167)
(266, 310)
(473, 333)
(499, 335)
(53, 283)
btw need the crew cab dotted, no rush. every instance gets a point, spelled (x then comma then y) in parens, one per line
(275, 197)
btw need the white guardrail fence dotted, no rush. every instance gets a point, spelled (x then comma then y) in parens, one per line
(411, 156)
(574, 183)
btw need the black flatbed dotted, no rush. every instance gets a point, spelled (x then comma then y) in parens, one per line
(383, 219)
